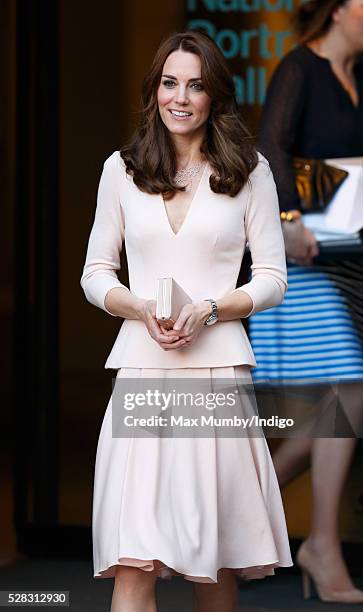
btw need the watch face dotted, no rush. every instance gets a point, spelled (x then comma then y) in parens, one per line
(212, 320)
(213, 317)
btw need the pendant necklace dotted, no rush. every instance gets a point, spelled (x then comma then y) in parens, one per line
(186, 175)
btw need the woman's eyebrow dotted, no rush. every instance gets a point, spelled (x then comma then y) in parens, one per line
(170, 76)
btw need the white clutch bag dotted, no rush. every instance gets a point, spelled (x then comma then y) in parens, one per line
(170, 300)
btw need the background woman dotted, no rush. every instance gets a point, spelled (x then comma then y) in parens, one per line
(314, 109)
(185, 195)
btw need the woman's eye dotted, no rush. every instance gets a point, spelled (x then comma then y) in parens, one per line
(196, 86)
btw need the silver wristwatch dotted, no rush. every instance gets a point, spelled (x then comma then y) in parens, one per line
(213, 317)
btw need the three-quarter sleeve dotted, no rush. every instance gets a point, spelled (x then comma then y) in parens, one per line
(105, 242)
(268, 283)
(280, 118)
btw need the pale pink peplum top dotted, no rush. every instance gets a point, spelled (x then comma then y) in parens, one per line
(204, 257)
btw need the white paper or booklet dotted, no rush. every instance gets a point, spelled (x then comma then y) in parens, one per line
(345, 211)
(343, 217)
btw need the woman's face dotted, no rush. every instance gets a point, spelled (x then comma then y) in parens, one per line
(349, 19)
(183, 104)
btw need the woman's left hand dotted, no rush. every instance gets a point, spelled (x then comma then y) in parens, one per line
(191, 320)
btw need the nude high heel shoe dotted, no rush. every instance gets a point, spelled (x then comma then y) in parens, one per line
(348, 596)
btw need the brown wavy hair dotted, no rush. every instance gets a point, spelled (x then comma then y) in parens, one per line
(314, 18)
(150, 156)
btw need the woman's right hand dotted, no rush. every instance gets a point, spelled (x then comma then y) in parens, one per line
(167, 339)
(300, 243)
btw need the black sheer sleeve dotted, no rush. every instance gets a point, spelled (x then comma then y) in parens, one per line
(277, 130)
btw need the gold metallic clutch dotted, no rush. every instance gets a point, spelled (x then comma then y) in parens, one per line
(316, 182)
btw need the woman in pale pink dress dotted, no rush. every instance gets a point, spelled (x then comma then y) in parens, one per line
(186, 195)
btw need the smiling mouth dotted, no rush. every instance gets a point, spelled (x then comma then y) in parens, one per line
(179, 114)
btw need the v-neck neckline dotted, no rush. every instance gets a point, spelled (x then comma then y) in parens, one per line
(190, 207)
(337, 80)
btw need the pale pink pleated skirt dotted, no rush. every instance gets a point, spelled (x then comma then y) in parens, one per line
(187, 506)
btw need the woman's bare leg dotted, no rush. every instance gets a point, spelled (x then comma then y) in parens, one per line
(134, 590)
(293, 456)
(220, 597)
(291, 459)
(331, 458)
(350, 395)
